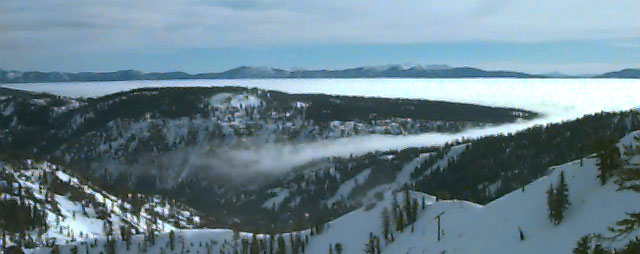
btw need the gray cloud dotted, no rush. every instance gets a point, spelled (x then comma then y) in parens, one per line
(30, 28)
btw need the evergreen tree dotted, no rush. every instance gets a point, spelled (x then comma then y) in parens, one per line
(558, 200)
(370, 246)
(414, 209)
(282, 246)
(271, 243)
(400, 222)
(561, 199)
(125, 233)
(608, 156)
(598, 249)
(172, 240)
(627, 225)
(386, 223)
(245, 246)
(254, 245)
(551, 196)
(407, 205)
(521, 234)
(632, 247)
(397, 214)
(338, 248)
(582, 246)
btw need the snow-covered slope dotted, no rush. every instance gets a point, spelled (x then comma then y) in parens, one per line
(75, 210)
(465, 227)
(494, 228)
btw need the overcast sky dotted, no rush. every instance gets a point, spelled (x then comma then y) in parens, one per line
(573, 36)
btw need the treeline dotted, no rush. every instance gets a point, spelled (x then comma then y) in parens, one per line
(493, 166)
(616, 165)
(305, 206)
(325, 108)
(19, 214)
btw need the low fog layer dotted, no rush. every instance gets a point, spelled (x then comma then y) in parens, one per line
(279, 158)
(557, 100)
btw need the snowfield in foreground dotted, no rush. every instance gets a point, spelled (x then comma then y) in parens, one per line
(472, 228)
(466, 227)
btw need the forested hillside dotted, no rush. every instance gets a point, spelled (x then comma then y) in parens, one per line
(404, 221)
(178, 142)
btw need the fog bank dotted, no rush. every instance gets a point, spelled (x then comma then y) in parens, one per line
(557, 99)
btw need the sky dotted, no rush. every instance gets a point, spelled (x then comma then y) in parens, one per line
(571, 36)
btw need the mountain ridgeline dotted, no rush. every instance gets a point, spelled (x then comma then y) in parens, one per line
(246, 72)
(61, 213)
(196, 148)
(180, 116)
(209, 146)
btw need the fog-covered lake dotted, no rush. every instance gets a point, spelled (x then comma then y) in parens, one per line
(557, 99)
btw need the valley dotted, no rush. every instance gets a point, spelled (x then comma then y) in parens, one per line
(311, 127)
(269, 163)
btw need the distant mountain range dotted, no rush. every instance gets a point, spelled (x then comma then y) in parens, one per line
(247, 72)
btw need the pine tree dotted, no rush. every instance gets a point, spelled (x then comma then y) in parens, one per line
(561, 199)
(627, 225)
(338, 248)
(583, 245)
(521, 234)
(255, 249)
(271, 243)
(172, 240)
(282, 246)
(370, 246)
(414, 209)
(397, 214)
(551, 197)
(558, 200)
(608, 156)
(386, 223)
(400, 222)
(407, 205)
(598, 249)
(632, 247)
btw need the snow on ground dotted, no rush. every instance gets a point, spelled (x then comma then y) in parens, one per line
(8, 110)
(557, 99)
(465, 227)
(472, 228)
(281, 194)
(234, 100)
(345, 188)
(69, 221)
(73, 221)
(404, 176)
(494, 227)
(451, 154)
